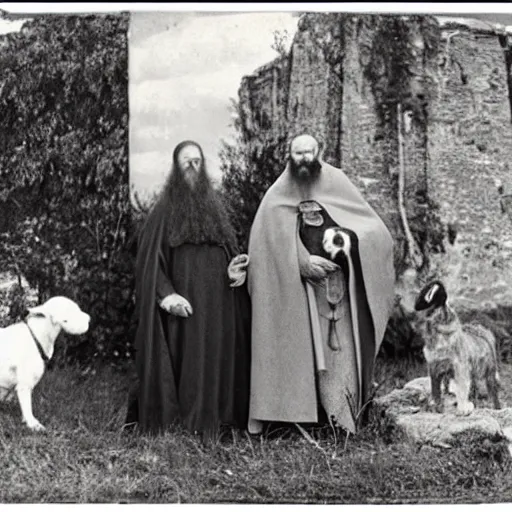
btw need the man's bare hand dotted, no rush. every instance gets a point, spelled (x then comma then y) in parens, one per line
(237, 270)
(177, 305)
(317, 268)
(327, 265)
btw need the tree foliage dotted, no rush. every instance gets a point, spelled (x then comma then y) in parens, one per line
(65, 214)
(281, 39)
(247, 173)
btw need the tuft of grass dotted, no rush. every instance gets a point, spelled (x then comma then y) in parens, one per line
(86, 457)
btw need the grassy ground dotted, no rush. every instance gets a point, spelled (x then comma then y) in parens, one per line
(85, 457)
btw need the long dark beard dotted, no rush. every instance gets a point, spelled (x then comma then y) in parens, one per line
(196, 213)
(305, 172)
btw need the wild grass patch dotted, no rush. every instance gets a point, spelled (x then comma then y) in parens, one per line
(86, 457)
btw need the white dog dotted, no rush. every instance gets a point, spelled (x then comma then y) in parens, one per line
(26, 347)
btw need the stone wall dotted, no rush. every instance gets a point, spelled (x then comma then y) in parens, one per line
(263, 100)
(470, 134)
(370, 145)
(315, 96)
(295, 92)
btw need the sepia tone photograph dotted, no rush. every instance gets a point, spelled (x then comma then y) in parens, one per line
(256, 255)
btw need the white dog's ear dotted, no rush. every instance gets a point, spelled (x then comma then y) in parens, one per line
(41, 311)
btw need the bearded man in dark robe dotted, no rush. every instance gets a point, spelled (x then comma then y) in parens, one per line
(193, 312)
(321, 281)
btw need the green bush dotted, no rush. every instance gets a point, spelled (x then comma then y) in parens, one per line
(65, 215)
(246, 175)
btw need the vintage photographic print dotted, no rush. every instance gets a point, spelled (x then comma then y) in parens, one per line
(256, 255)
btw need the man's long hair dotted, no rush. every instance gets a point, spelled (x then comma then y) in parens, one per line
(196, 213)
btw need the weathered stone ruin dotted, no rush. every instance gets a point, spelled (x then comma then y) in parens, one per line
(356, 81)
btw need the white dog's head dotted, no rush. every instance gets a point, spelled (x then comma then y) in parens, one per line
(64, 312)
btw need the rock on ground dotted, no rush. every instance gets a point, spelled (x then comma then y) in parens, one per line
(405, 412)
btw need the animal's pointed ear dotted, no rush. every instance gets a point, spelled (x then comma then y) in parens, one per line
(431, 292)
(432, 295)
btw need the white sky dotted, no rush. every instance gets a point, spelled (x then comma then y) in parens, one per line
(10, 26)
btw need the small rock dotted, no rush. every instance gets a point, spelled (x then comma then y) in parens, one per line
(406, 409)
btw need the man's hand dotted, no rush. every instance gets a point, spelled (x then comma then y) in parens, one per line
(317, 268)
(237, 269)
(176, 305)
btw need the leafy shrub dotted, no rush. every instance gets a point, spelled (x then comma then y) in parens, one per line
(65, 214)
(247, 175)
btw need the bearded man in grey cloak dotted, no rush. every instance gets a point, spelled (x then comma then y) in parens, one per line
(321, 280)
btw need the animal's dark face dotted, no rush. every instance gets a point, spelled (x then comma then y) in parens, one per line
(431, 297)
(337, 239)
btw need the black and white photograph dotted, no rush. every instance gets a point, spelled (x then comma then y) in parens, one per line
(256, 254)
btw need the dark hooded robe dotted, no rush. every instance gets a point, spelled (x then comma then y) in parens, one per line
(194, 370)
(295, 372)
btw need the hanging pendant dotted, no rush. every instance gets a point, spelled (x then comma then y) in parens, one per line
(335, 287)
(313, 219)
(311, 213)
(333, 340)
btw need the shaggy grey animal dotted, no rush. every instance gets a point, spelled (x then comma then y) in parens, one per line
(466, 353)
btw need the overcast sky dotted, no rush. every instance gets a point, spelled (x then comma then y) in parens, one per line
(10, 26)
(184, 68)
